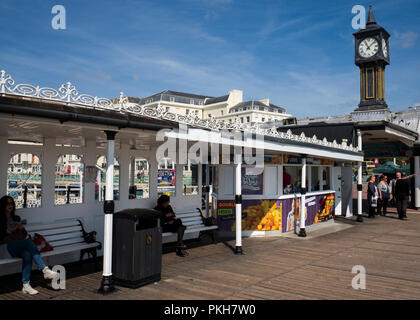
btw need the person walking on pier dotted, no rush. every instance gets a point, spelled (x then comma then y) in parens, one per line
(402, 193)
(384, 195)
(372, 196)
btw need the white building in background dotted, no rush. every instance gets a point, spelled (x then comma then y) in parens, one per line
(226, 108)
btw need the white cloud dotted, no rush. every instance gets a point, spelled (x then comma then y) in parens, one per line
(405, 39)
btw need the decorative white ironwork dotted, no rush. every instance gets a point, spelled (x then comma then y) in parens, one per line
(68, 94)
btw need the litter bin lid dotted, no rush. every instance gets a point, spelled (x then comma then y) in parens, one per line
(138, 214)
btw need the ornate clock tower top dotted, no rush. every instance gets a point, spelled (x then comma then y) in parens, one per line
(371, 56)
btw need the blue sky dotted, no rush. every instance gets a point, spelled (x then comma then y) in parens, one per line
(297, 53)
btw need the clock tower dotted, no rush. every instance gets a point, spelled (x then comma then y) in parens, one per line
(371, 56)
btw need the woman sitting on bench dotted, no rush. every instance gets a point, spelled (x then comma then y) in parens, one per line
(13, 233)
(171, 224)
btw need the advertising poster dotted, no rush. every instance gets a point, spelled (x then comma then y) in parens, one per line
(166, 181)
(252, 181)
(319, 208)
(270, 215)
(226, 214)
(166, 177)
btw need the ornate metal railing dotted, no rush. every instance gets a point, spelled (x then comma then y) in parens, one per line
(68, 94)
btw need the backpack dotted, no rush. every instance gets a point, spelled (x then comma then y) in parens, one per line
(41, 243)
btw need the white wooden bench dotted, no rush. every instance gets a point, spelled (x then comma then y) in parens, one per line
(194, 221)
(64, 236)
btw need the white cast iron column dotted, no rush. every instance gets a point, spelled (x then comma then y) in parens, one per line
(417, 181)
(106, 284)
(302, 232)
(238, 201)
(207, 189)
(359, 179)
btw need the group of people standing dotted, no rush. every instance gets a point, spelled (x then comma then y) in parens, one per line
(380, 193)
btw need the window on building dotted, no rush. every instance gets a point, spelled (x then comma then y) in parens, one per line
(262, 119)
(191, 101)
(24, 180)
(326, 178)
(200, 103)
(100, 184)
(221, 112)
(138, 182)
(166, 177)
(242, 120)
(187, 111)
(291, 179)
(248, 119)
(190, 179)
(315, 178)
(252, 180)
(172, 99)
(69, 179)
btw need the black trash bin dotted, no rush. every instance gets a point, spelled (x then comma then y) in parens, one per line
(137, 247)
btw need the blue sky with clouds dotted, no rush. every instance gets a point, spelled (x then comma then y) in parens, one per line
(297, 53)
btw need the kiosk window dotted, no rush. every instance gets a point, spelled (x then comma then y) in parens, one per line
(291, 179)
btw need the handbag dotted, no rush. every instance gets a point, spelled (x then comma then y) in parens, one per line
(374, 201)
(41, 243)
(19, 235)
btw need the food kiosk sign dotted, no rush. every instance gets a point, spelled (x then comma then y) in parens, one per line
(252, 181)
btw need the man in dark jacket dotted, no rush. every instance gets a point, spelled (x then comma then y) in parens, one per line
(170, 223)
(402, 193)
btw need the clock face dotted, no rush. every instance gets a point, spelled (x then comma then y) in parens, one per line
(384, 48)
(368, 47)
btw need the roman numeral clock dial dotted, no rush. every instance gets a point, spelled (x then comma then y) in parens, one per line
(384, 48)
(368, 47)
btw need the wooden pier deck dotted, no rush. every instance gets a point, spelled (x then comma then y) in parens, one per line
(272, 268)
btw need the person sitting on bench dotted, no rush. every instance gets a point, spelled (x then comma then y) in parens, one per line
(13, 233)
(171, 224)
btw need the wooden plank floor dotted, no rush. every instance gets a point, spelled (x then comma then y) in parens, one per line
(272, 268)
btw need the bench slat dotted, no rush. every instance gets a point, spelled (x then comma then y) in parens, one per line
(66, 249)
(41, 227)
(46, 233)
(192, 219)
(61, 243)
(185, 215)
(193, 223)
(64, 236)
(204, 228)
